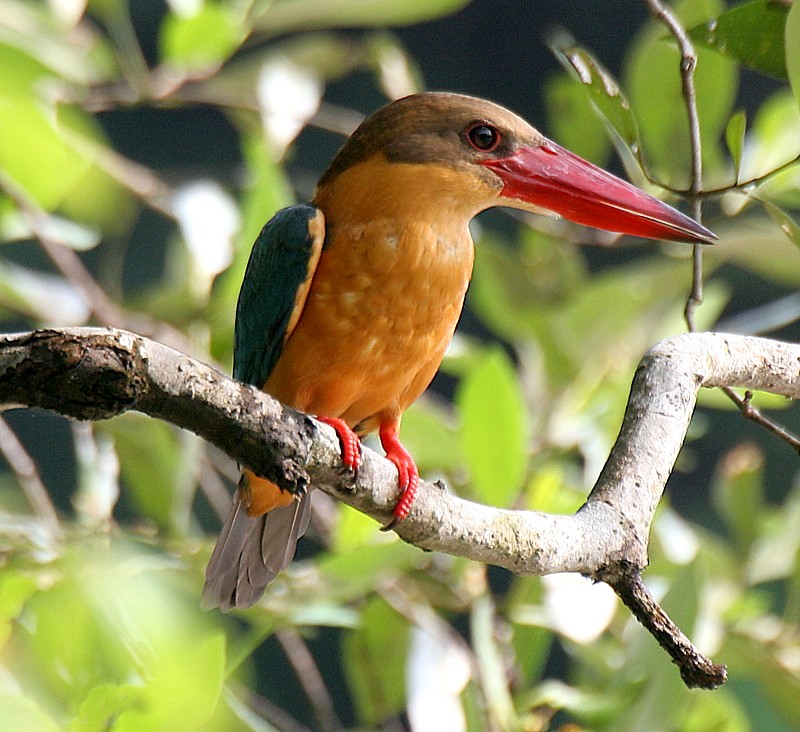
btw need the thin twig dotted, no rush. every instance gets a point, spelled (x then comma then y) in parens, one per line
(245, 702)
(310, 678)
(695, 193)
(27, 474)
(213, 488)
(688, 65)
(756, 415)
(743, 186)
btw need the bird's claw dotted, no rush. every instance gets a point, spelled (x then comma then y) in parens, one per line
(349, 442)
(407, 474)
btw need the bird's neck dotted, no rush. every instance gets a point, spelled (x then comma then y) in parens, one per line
(406, 193)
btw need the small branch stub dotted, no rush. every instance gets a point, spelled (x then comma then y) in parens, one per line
(697, 671)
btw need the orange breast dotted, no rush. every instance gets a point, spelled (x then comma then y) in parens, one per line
(382, 307)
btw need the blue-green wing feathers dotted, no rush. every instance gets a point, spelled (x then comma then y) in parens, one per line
(274, 289)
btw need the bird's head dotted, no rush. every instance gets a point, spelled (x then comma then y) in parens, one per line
(466, 154)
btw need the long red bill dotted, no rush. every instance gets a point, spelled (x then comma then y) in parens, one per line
(553, 178)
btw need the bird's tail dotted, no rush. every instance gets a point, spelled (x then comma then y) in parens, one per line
(251, 551)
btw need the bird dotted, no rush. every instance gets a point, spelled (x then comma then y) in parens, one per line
(348, 302)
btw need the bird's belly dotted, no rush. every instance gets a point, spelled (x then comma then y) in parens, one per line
(374, 328)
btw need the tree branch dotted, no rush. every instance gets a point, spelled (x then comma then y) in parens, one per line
(92, 373)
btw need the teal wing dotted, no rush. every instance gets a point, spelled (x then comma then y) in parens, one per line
(274, 289)
(252, 550)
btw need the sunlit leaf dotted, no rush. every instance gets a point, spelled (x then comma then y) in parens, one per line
(15, 589)
(754, 243)
(793, 49)
(775, 550)
(361, 569)
(494, 431)
(352, 530)
(526, 279)
(149, 457)
(785, 222)
(604, 92)
(34, 153)
(21, 713)
(398, 73)
(734, 136)
(750, 32)
(197, 41)
(43, 297)
(737, 493)
(104, 704)
(768, 690)
(285, 15)
(571, 120)
(773, 139)
(721, 710)
(598, 708)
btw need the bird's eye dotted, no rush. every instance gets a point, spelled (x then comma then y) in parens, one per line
(483, 137)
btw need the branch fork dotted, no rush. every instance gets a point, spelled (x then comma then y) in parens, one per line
(96, 373)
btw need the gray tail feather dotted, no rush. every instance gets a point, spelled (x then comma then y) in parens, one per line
(251, 552)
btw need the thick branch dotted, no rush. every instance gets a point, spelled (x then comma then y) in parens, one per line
(88, 373)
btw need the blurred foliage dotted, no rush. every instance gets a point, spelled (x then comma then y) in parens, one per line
(100, 625)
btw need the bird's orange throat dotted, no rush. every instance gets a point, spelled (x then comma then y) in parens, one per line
(442, 196)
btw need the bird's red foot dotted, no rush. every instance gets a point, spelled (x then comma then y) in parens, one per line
(351, 445)
(408, 474)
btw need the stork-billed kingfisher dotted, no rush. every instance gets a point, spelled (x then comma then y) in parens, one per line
(348, 303)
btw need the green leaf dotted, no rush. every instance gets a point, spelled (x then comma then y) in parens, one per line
(753, 244)
(282, 16)
(773, 140)
(149, 461)
(603, 91)
(774, 553)
(792, 40)
(103, 705)
(34, 152)
(375, 659)
(363, 568)
(202, 40)
(184, 684)
(737, 493)
(495, 428)
(734, 137)
(785, 222)
(352, 530)
(15, 589)
(718, 711)
(752, 33)
(572, 121)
